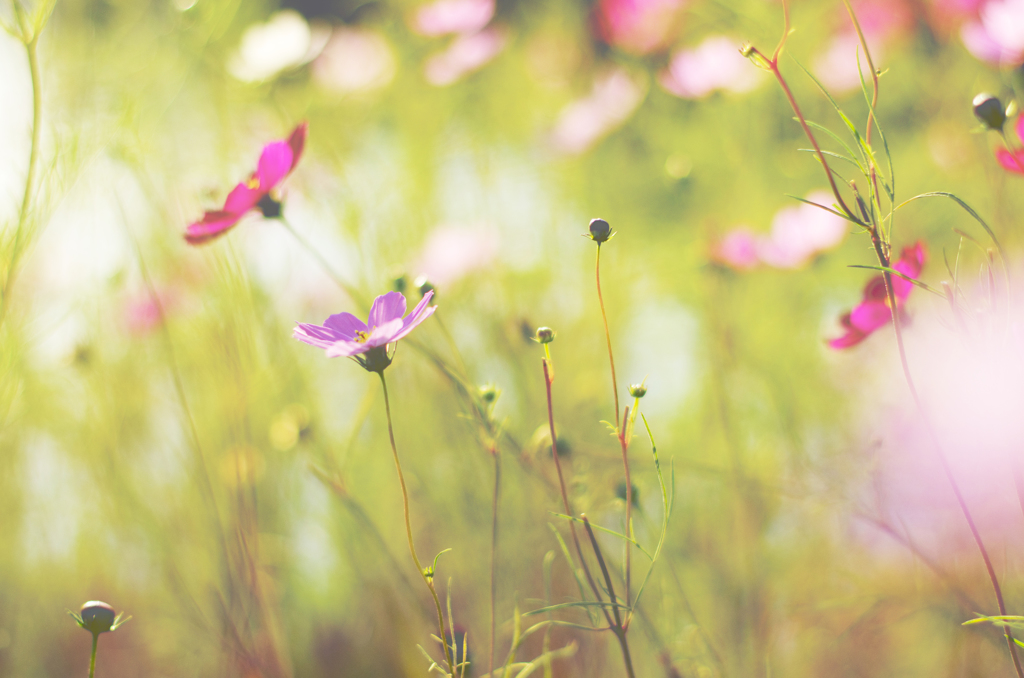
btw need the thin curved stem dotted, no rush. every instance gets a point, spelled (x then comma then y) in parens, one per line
(494, 552)
(30, 176)
(607, 334)
(618, 629)
(428, 580)
(326, 266)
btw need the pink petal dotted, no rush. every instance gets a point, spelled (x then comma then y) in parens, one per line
(453, 16)
(1020, 128)
(385, 334)
(410, 326)
(1013, 162)
(243, 198)
(868, 316)
(345, 325)
(465, 55)
(297, 142)
(343, 349)
(852, 337)
(276, 162)
(386, 308)
(212, 225)
(738, 250)
(314, 335)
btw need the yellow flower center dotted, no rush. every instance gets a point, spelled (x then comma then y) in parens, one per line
(253, 183)
(361, 336)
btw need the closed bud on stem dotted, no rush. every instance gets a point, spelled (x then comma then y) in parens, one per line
(544, 335)
(423, 286)
(989, 110)
(637, 390)
(600, 231)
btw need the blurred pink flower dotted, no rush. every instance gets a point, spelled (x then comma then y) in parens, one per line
(276, 162)
(737, 250)
(612, 100)
(798, 235)
(1013, 160)
(638, 26)
(452, 16)
(715, 64)
(344, 335)
(465, 55)
(355, 60)
(837, 67)
(997, 36)
(873, 311)
(143, 313)
(451, 252)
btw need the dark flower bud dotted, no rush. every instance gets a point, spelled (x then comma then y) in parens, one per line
(400, 284)
(489, 393)
(97, 617)
(563, 446)
(989, 110)
(637, 390)
(600, 231)
(544, 335)
(270, 208)
(620, 492)
(423, 286)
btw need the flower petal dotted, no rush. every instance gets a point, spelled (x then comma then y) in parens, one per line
(315, 335)
(868, 316)
(418, 315)
(297, 142)
(345, 326)
(852, 337)
(275, 164)
(243, 198)
(1020, 128)
(1013, 162)
(210, 226)
(384, 334)
(386, 308)
(343, 349)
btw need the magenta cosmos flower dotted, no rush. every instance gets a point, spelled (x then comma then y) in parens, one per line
(276, 162)
(367, 343)
(873, 311)
(1013, 160)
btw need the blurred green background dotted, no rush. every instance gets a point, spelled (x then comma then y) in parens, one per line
(233, 489)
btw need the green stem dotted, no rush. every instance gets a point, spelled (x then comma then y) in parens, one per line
(494, 550)
(92, 659)
(30, 176)
(618, 629)
(429, 581)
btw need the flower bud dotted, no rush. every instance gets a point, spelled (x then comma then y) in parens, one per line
(620, 492)
(600, 231)
(544, 335)
(97, 617)
(489, 393)
(423, 286)
(637, 390)
(989, 110)
(400, 284)
(270, 208)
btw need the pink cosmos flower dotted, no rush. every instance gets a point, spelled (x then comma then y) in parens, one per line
(998, 34)
(466, 54)
(343, 334)
(873, 311)
(614, 97)
(638, 26)
(715, 64)
(737, 250)
(453, 16)
(1013, 161)
(276, 162)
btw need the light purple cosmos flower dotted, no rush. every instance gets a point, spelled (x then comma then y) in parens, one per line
(367, 343)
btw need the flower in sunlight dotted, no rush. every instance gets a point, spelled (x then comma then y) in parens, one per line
(466, 54)
(1013, 161)
(638, 26)
(367, 343)
(452, 16)
(276, 162)
(873, 311)
(715, 64)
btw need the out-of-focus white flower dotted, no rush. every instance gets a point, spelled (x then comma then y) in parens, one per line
(452, 16)
(610, 103)
(716, 64)
(355, 60)
(465, 55)
(453, 251)
(284, 41)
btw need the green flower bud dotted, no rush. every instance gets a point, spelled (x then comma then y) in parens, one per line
(423, 286)
(544, 335)
(600, 231)
(637, 390)
(97, 617)
(989, 110)
(400, 283)
(489, 393)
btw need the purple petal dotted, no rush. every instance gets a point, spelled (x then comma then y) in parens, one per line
(1011, 161)
(297, 142)
(386, 308)
(275, 164)
(852, 337)
(345, 325)
(314, 335)
(210, 226)
(418, 315)
(343, 349)
(384, 334)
